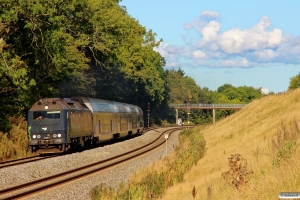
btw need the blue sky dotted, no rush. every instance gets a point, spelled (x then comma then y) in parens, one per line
(253, 43)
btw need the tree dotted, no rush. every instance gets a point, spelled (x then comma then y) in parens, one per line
(294, 82)
(79, 47)
(248, 94)
(224, 88)
(242, 94)
(14, 81)
(182, 89)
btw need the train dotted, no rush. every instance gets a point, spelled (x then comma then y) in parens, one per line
(62, 124)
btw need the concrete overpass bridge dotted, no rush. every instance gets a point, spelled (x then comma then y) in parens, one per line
(201, 106)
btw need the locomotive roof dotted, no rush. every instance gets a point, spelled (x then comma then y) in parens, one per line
(56, 104)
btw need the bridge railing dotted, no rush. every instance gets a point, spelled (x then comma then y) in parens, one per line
(208, 106)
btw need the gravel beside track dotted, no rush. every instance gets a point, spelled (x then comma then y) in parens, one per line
(80, 188)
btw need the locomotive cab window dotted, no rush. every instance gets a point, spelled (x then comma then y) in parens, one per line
(38, 115)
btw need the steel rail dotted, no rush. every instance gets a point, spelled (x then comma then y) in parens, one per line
(20, 161)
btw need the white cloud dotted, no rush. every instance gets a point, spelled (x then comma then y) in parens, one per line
(236, 63)
(266, 54)
(263, 23)
(171, 53)
(210, 31)
(255, 46)
(174, 49)
(207, 14)
(199, 23)
(244, 63)
(199, 54)
(237, 41)
(172, 64)
(264, 90)
(161, 49)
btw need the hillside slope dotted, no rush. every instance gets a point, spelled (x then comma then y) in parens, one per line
(259, 133)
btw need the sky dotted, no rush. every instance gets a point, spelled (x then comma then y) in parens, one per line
(243, 43)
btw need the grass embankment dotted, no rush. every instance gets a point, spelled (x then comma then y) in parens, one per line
(152, 183)
(253, 154)
(14, 144)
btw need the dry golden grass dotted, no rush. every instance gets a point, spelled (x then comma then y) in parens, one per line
(249, 133)
(14, 145)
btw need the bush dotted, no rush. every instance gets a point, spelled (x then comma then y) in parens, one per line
(284, 142)
(13, 144)
(238, 175)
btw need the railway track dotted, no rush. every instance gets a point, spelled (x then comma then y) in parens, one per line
(65, 177)
(20, 161)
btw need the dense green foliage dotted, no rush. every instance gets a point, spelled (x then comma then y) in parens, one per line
(64, 48)
(182, 89)
(153, 184)
(294, 82)
(242, 94)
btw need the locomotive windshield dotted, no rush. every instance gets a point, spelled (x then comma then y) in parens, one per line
(46, 115)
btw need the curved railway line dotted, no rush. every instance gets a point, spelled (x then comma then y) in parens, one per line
(65, 177)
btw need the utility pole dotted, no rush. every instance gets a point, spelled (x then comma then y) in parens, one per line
(166, 137)
(188, 112)
(189, 96)
(148, 114)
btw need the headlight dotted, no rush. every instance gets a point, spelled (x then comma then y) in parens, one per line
(34, 136)
(54, 135)
(59, 135)
(38, 136)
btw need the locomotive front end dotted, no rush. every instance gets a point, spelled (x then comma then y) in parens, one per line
(47, 126)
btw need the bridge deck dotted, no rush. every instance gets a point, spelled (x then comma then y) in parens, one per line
(208, 106)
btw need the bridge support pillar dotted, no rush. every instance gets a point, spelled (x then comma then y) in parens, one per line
(176, 116)
(214, 116)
